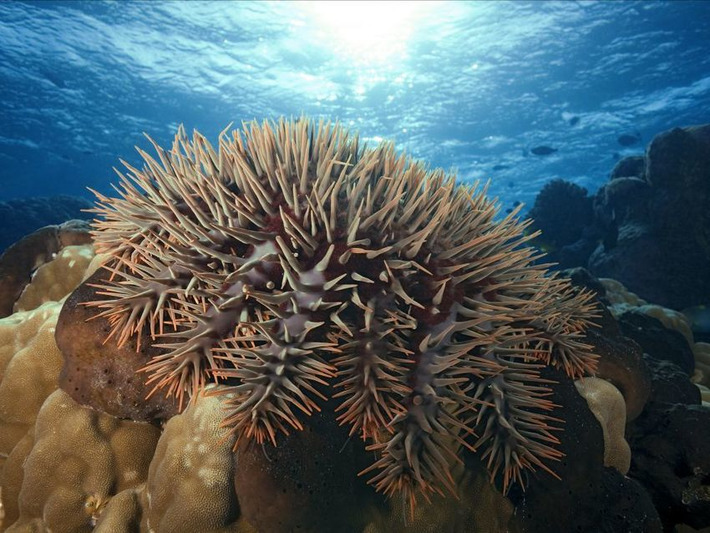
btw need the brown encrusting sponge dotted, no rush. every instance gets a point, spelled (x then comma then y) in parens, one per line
(293, 266)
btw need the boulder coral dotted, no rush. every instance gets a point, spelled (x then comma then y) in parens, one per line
(79, 459)
(190, 483)
(29, 358)
(20, 261)
(658, 254)
(607, 404)
(52, 281)
(29, 364)
(292, 267)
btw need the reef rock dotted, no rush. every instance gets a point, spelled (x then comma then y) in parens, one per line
(23, 216)
(648, 226)
(101, 374)
(670, 458)
(563, 213)
(657, 340)
(20, 262)
(658, 221)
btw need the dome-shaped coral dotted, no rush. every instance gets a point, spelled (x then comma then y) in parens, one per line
(562, 211)
(294, 267)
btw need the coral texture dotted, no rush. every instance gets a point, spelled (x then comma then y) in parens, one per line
(19, 261)
(79, 459)
(29, 364)
(607, 404)
(190, 484)
(293, 267)
(54, 280)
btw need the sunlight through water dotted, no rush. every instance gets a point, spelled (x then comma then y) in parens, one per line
(367, 33)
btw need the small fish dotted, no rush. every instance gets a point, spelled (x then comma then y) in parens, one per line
(500, 167)
(53, 78)
(628, 139)
(543, 150)
(574, 121)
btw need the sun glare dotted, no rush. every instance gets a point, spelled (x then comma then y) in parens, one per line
(367, 32)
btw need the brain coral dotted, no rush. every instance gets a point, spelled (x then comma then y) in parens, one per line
(293, 266)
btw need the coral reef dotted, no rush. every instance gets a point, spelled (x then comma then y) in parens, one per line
(20, 261)
(194, 459)
(54, 280)
(98, 456)
(291, 266)
(78, 460)
(669, 438)
(608, 406)
(636, 234)
(29, 365)
(563, 214)
(23, 216)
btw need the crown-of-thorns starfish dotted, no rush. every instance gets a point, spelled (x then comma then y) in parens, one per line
(294, 267)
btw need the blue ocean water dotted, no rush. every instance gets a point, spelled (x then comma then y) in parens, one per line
(517, 93)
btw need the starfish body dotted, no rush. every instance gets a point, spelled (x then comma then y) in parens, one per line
(292, 266)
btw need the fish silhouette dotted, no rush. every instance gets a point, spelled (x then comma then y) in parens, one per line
(543, 150)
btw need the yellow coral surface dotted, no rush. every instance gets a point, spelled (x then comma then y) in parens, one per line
(54, 280)
(607, 404)
(79, 459)
(29, 365)
(190, 486)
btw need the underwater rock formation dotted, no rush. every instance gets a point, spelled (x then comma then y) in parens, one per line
(563, 213)
(651, 227)
(664, 227)
(668, 440)
(20, 261)
(22, 216)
